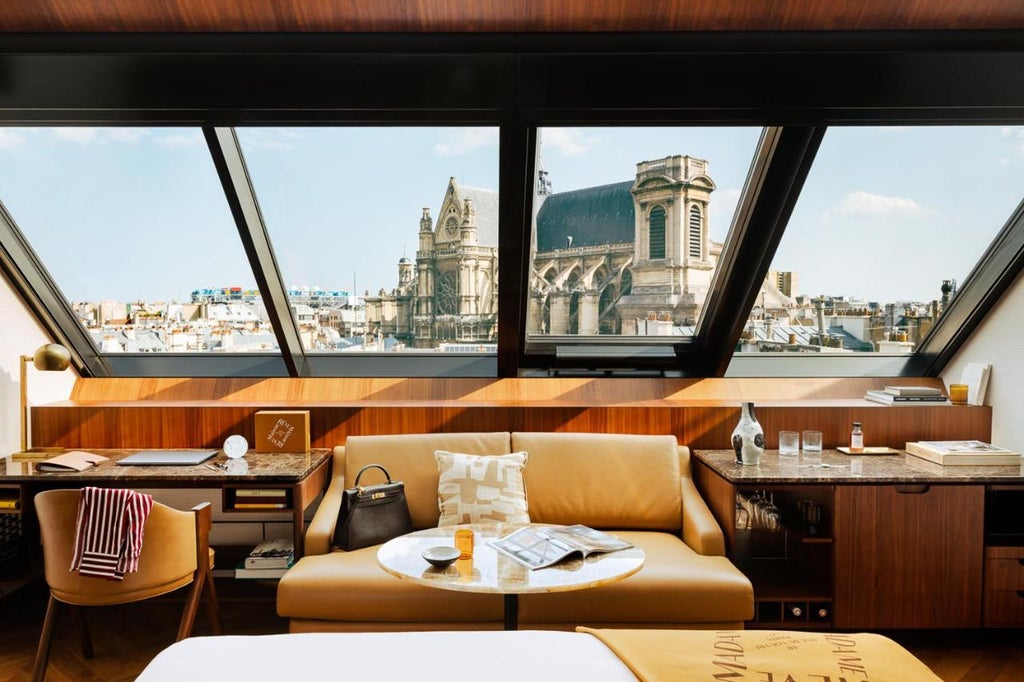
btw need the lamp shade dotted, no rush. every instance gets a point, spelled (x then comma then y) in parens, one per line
(52, 357)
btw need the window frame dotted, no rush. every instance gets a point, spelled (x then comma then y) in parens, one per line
(521, 83)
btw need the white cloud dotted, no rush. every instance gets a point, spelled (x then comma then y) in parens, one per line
(874, 205)
(180, 140)
(81, 136)
(568, 141)
(127, 135)
(723, 205)
(465, 141)
(274, 140)
(88, 135)
(10, 140)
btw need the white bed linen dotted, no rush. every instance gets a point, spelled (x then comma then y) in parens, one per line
(519, 656)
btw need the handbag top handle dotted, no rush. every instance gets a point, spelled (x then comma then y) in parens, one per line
(372, 466)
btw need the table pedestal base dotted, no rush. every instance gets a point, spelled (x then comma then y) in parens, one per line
(511, 611)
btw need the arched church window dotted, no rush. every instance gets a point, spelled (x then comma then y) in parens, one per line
(656, 241)
(695, 231)
(447, 293)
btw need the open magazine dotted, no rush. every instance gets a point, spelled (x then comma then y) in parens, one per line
(540, 546)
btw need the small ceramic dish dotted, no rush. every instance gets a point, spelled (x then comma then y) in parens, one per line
(440, 556)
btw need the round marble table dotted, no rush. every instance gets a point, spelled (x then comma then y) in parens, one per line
(491, 572)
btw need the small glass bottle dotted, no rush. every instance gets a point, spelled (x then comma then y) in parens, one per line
(856, 438)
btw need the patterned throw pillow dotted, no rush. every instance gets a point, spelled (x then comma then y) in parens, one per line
(481, 488)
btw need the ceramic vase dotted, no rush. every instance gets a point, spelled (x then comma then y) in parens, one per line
(748, 438)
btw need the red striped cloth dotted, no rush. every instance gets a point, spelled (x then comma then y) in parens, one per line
(108, 532)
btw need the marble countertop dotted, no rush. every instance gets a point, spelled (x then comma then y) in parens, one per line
(836, 467)
(255, 467)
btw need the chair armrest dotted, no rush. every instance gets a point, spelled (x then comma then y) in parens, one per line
(320, 531)
(700, 530)
(204, 519)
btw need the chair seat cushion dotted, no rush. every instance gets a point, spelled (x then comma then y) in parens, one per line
(675, 585)
(351, 586)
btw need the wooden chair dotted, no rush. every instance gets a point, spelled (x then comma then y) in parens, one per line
(173, 540)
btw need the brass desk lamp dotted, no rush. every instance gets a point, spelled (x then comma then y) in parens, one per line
(50, 357)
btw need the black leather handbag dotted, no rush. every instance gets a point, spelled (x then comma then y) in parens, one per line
(372, 514)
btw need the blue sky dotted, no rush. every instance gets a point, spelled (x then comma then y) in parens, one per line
(127, 213)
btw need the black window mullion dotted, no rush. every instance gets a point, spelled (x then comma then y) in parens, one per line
(783, 159)
(241, 196)
(515, 192)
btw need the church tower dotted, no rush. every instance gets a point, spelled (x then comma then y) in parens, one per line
(672, 264)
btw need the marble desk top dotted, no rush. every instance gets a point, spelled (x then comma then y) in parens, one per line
(491, 572)
(835, 468)
(255, 467)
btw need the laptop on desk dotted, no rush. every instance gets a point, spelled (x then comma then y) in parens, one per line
(167, 457)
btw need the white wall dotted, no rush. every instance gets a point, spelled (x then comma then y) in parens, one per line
(999, 341)
(22, 335)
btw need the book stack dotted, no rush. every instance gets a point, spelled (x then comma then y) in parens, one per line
(907, 395)
(261, 498)
(963, 453)
(268, 560)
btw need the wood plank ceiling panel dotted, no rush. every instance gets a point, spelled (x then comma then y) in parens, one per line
(475, 16)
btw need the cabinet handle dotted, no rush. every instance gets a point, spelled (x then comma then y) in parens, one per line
(912, 489)
(1020, 593)
(1020, 561)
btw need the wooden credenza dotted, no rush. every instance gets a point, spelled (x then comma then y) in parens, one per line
(902, 544)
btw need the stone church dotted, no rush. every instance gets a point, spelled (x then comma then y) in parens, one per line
(630, 258)
(450, 295)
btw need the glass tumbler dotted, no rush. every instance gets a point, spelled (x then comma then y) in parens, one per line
(789, 443)
(812, 447)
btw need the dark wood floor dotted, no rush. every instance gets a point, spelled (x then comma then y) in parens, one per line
(127, 637)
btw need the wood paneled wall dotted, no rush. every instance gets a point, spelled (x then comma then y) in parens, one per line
(702, 413)
(538, 15)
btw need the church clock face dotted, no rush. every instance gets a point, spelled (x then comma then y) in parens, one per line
(452, 226)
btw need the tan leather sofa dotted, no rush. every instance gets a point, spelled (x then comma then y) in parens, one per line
(639, 487)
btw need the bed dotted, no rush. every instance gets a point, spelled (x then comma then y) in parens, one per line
(500, 656)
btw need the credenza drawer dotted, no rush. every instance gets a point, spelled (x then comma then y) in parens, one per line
(1004, 552)
(1004, 608)
(1004, 574)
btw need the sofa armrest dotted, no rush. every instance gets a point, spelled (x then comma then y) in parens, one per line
(321, 529)
(700, 530)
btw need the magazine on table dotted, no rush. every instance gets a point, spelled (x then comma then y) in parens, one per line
(541, 546)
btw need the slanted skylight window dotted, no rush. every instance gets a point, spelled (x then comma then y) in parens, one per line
(133, 227)
(889, 223)
(386, 237)
(628, 226)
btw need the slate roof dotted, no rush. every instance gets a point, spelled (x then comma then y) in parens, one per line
(485, 203)
(592, 216)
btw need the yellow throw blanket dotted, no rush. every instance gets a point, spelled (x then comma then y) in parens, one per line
(762, 656)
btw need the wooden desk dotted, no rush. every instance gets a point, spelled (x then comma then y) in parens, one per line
(302, 475)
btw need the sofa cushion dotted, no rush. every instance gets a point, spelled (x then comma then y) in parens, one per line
(351, 586)
(676, 585)
(603, 480)
(481, 489)
(410, 458)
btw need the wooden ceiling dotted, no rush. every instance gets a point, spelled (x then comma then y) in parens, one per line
(74, 16)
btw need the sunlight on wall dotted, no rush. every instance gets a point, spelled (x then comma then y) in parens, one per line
(22, 335)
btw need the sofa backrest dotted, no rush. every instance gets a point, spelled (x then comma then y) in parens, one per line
(410, 458)
(603, 480)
